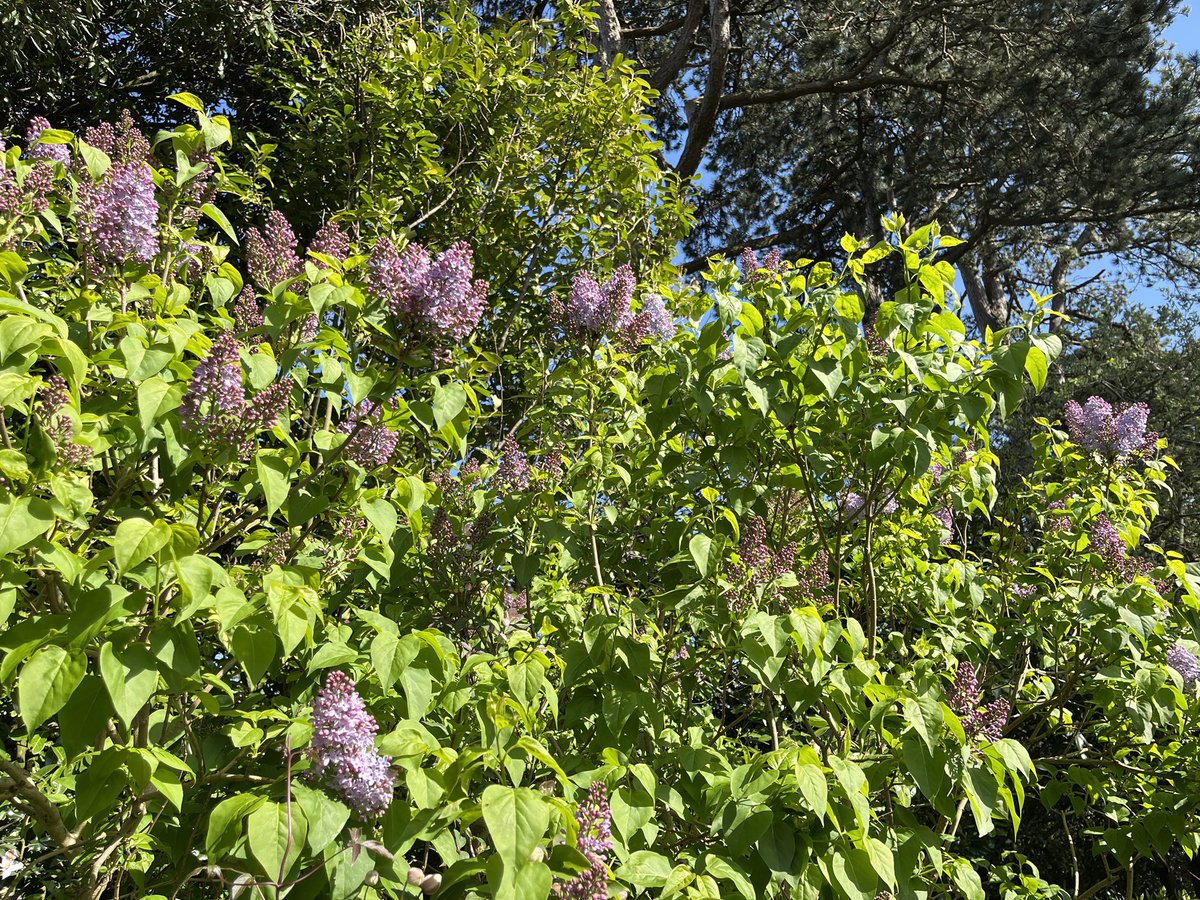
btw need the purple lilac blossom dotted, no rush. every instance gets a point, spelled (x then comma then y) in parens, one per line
(1097, 427)
(963, 697)
(343, 749)
(550, 464)
(515, 605)
(441, 296)
(1109, 544)
(594, 842)
(1185, 663)
(330, 241)
(599, 308)
(757, 565)
(118, 215)
(247, 314)
(653, 320)
(515, 472)
(123, 143)
(753, 270)
(58, 425)
(814, 580)
(215, 408)
(271, 256)
(49, 152)
(369, 445)
(945, 518)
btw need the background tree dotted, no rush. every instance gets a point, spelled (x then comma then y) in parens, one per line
(1045, 134)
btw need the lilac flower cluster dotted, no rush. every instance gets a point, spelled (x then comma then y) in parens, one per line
(274, 553)
(369, 445)
(343, 748)
(853, 506)
(551, 465)
(271, 256)
(594, 308)
(752, 270)
(123, 143)
(945, 517)
(439, 295)
(1024, 591)
(515, 473)
(33, 192)
(515, 606)
(49, 152)
(594, 842)
(814, 579)
(330, 241)
(1097, 427)
(58, 426)
(652, 320)
(757, 565)
(215, 409)
(964, 696)
(875, 344)
(446, 538)
(1057, 517)
(118, 216)
(1107, 542)
(1185, 663)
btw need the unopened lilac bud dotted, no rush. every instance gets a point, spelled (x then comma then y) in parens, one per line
(330, 241)
(371, 443)
(271, 255)
(431, 884)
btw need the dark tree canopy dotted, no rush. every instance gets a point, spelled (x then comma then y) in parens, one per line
(1043, 133)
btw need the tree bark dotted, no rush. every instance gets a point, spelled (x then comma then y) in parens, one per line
(701, 125)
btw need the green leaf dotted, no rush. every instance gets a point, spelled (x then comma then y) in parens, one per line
(1037, 366)
(131, 678)
(253, 644)
(706, 553)
(225, 823)
(47, 682)
(517, 819)
(382, 514)
(813, 787)
(136, 540)
(748, 354)
(828, 373)
(882, 862)
(219, 217)
(448, 401)
(273, 474)
(645, 869)
(191, 101)
(325, 816)
(21, 520)
(274, 836)
(155, 398)
(725, 871)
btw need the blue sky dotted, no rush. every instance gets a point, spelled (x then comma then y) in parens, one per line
(1185, 32)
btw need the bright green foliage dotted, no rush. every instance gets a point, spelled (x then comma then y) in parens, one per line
(766, 724)
(498, 136)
